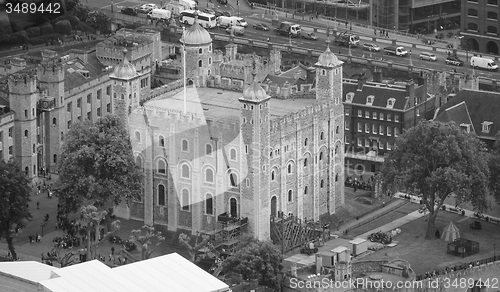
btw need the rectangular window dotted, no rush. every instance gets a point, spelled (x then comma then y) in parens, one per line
(396, 118)
(396, 131)
(381, 145)
(98, 111)
(10, 150)
(367, 143)
(360, 113)
(389, 130)
(374, 129)
(367, 114)
(108, 107)
(381, 130)
(360, 129)
(1, 138)
(79, 102)
(359, 142)
(346, 125)
(346, 111)
(69, 124)
(374, 115)
(99, 93)
(367, 128)
(389, 117)
(89, 115)
(108, 90)
(381, 116)
(68, 107)
(89, 98)
(11, 129)
(389, 146)
(346, 140)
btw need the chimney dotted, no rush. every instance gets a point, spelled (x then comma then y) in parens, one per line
(361, 81)
(377, 75)
(310, 75)
(410, 91)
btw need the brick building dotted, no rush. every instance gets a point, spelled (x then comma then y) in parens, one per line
(480, 26)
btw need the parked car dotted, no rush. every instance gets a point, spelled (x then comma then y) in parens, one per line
(428, 56)
(261, 26)
(371, 47)
(146, 8)
(218, 13)
(128, 11)
(453, 60)
(226, 13)
(309, 36)
(223, 2)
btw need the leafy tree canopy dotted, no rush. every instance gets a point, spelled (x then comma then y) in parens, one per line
(149, 240)
(14, 199)
(97, 166)
(495, 170)
(257, 260)
(435, 160)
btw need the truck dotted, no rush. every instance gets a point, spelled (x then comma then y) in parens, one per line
(397, 51)
(177, 6)
(289, 29)
(346, 39)
(483, 63)
(160, 14)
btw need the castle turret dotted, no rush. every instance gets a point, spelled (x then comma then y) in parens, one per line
(52, 112)
(23, 97)
(329, 88)
(198, 54)
(255, 130)
(126, 88)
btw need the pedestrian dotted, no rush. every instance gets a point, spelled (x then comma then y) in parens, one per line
(36, 237)
(38, 205)
(374, 31)
(112, 250)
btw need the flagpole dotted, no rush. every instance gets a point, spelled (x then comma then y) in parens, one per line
(184, 63)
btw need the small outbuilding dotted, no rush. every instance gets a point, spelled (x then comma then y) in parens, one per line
(358, 246)
(463, 247)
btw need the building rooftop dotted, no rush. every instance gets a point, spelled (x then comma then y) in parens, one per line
(223, 104)
(474, 107)
(76, 71)
(381, 95)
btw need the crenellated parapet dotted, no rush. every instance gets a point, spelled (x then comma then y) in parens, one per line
(23, 83)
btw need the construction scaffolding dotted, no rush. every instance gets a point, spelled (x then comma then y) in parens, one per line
(228, 232)
(291, 232)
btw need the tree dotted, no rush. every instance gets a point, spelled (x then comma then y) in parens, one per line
(97, 166)
(93, 218)
(63, 27)
(494, 164)
(149, 241)
(99, 21)
(435, 160)
(14, 199)
(257, 260)
(185, 241)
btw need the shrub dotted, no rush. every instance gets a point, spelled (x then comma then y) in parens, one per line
(41, 40)
(46, 29)
(63, 27)
(20, 37)
(33, 32)
(130, 246)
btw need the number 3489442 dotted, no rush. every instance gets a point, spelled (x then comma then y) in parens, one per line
(33, 8)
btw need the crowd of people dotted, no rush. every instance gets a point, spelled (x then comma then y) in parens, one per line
(356, 183)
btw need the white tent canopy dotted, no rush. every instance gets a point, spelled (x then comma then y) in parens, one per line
(450, 233)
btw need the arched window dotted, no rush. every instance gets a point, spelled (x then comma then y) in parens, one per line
(161, 141)
(209, 204)
(54, 121)
(161, 195)
(209, 61)
(472, 26)
(200, 63)
(272, 175)
(336, 149)
(337, 129)
(200, 50)
(138, 161)
(232, 154)
(185, 145)
(472, 12)
(123, 96)
(321, 136)
(26, 133)
(185, 172)
(322, 183)
(492, 15)
(55, 158)
(162, 166)
(208, 149)
(186, 202)
(305, 142)
(138, 136)
(26, 170)
(491, 29)
(336, 177)
(321, 156)
(209, 175)
(233, 179)
(290, 195)
(289, 168)
(305, 162)
(305, 190)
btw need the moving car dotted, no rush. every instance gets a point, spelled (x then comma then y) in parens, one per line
(261, 26)
(428, 56)
(371, 47)
(453, 60)
(397, 51)
(236, 30)
(146, 8)
(128, 11)
(310, 36)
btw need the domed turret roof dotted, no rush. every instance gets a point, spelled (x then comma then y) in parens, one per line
(197, 35)
(125, 70)
(327, 58)
(254, 92)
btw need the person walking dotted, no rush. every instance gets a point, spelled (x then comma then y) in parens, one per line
(38, 205)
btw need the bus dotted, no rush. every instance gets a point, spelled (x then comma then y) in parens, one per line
(204, 19)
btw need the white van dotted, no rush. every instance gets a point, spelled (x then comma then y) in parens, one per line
(225, 21)
(483, 63)
(236, 30)
(188, 4)
(240, 21)
(160, 14)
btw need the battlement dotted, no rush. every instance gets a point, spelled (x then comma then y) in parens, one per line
(177, 115)
(50, 71)
(297, 117)
(23, 83)
(48, 55)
